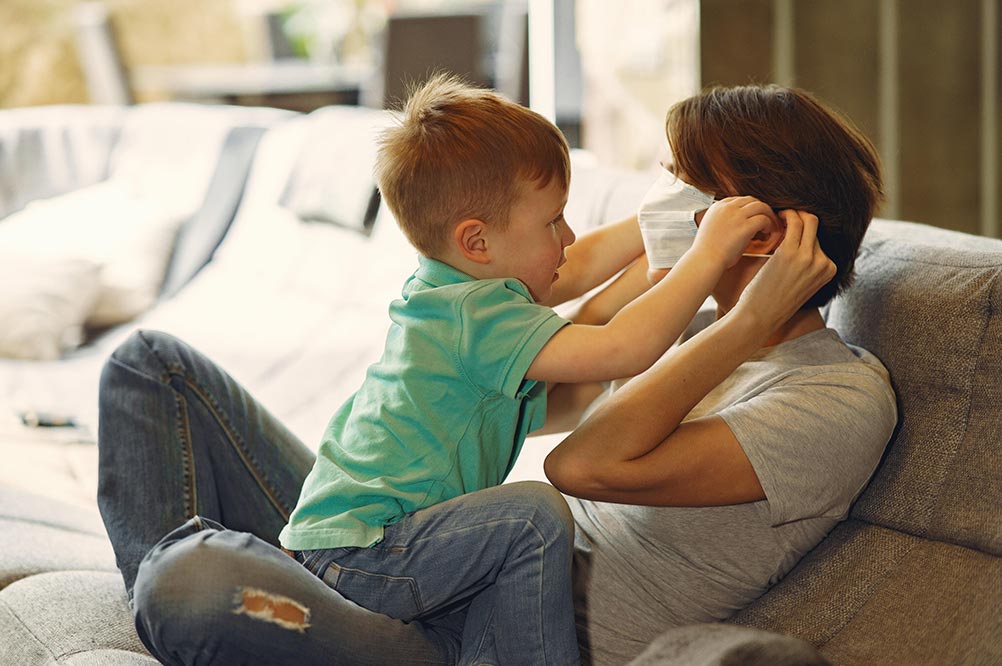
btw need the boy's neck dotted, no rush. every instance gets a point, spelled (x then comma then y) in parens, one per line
(462, 264)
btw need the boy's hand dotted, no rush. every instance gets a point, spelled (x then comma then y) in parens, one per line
(796, 270)
(728, 226)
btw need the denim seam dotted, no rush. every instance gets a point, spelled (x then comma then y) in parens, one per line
(529, 524)
(411, 584)
(188, 464)
(478, 658)
(249, 461)
(183, 431)
(539, 593)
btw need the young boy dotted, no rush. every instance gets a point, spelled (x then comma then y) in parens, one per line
(403, 512)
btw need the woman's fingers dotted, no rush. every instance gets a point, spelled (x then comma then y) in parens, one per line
(797, 269)
(810, 233)
(794, 230)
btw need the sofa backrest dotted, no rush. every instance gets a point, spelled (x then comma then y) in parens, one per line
(49, 150)
(928, 303)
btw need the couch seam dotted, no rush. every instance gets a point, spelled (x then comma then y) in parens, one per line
(249, 461)
(52, 525)
(899, 254)
(872, 589)
(180, 424)
(38, 640)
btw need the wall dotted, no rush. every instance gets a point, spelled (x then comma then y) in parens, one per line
(920, 77)
(38, 58)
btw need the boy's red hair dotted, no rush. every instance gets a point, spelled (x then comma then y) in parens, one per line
(461, 152)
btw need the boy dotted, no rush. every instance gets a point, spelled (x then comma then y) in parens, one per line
(403, 512)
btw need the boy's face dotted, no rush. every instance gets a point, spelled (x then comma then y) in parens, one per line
(532, 247)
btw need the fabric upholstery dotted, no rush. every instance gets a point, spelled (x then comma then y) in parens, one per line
(19, 506)
(871, 595)
(927, 302)
(47, 535)
(914, 576)
(316, 192)
(725, 645)
(94, 619)
(46, 301)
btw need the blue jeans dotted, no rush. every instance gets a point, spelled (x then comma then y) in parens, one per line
(184, 451)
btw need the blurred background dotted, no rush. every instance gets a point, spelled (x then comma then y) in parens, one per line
(920, 77)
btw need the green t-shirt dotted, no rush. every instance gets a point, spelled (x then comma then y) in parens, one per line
(444, 411)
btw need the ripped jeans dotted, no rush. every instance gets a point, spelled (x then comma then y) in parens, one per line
(185, 450)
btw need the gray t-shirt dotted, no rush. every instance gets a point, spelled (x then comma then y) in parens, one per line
(813, 416)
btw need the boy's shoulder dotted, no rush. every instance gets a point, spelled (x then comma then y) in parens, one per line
(437, 281)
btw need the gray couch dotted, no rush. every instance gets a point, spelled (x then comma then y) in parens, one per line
(914, 576)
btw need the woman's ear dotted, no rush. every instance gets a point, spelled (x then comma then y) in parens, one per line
(470, 237)
(765, 242)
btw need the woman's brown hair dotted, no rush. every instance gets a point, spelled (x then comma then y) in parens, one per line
(788, 149)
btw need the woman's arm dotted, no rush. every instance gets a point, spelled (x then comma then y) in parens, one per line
(641, 332)
(635, 449)
(603, 306)
(567, 402)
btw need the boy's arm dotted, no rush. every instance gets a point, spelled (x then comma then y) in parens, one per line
(635, 449)
(643, 330)
(566, 403)
(596, 257)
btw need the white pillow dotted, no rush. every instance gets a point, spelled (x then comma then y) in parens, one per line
(43, 303)
(128, 236)
(332, 180)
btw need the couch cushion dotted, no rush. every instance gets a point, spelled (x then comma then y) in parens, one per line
(928, 302)
(68, 617)
(870, 595)
(45, 301)
(317, 191)
(42, 534)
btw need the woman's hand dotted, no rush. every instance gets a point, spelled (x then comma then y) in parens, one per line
(794, 273)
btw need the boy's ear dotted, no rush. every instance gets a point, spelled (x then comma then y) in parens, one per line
(470, 237)
(764, 242)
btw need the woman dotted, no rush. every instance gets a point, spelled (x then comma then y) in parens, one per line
(704, 479)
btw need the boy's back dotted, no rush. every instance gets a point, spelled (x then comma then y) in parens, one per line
(444, 412)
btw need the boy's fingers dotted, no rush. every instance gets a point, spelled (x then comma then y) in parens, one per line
(760, 222)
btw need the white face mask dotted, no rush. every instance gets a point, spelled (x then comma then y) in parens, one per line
(667, 218)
